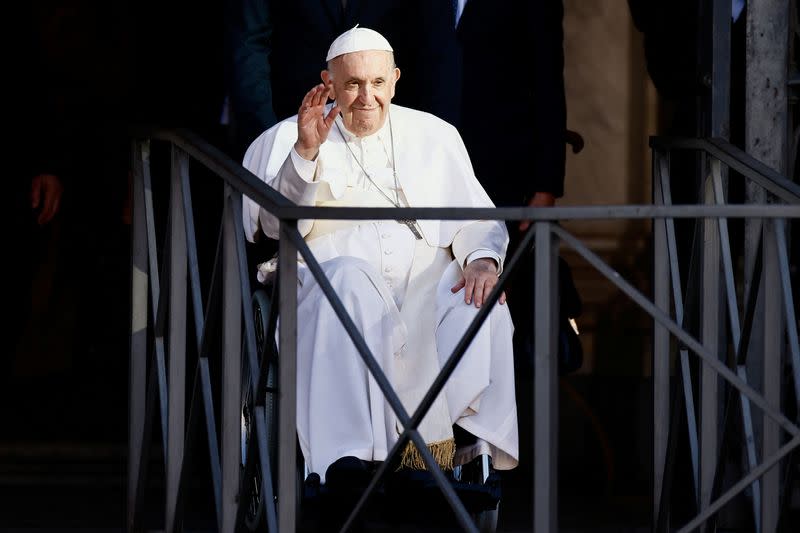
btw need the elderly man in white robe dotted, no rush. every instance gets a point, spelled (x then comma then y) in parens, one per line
(411, 287)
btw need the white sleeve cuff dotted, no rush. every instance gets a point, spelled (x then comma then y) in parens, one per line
(305, 169)
(485, 252)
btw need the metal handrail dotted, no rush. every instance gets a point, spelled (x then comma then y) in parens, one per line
(244, 181)
(231, 261)
(738, 160)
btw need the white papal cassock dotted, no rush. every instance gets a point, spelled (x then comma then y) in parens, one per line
(396, 289)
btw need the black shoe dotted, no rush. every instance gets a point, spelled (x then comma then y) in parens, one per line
(345, 481)
(348, 473)
(311, 487)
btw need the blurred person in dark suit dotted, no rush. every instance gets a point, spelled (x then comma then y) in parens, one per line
(513, 58)
(37, 163)
(68, 159)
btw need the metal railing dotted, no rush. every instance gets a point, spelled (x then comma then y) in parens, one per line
(718, 290)
(159, 336)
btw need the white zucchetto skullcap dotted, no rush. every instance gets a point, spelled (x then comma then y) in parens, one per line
(358, 40)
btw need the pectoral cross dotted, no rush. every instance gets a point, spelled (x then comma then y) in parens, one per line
(412, 225)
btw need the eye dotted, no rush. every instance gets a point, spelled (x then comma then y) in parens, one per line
(378, 83)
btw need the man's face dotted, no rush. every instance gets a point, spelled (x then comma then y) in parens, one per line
(363, 85)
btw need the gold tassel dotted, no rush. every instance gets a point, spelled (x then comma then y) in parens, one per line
(443, 452)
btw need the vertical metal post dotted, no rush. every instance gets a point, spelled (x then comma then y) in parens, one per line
(660, 339)
(709, 381)
(545, 399)
(766, 139)
(138, 320)
(231, 369)
(721, 69)
(287, 374)
(177, 337)
(773, 351)
(719, 126)
(712, 325)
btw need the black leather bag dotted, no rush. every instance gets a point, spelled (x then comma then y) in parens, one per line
(570, 349)
(522, 299)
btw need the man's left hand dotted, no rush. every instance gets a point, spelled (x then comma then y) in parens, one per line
(540, 199)
(46, 190)
(480, 277)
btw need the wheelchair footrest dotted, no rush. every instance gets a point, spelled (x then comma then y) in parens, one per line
(406, 496)
(422, 488)
(479, 497)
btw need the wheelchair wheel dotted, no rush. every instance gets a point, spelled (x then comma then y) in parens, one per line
(265, 344)
(266, 349)
(254, 513)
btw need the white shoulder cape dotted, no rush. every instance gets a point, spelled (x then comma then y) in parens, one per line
(433, 169)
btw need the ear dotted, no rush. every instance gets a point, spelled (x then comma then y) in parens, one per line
(396, 74)
(327, 79)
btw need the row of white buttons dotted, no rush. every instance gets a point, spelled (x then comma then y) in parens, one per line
(387, 269)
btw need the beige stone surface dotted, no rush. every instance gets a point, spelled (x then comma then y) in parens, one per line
(611, 104)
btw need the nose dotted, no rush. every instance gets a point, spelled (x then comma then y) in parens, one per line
(366, 94)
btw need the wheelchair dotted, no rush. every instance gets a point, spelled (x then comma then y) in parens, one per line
(476, 483)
